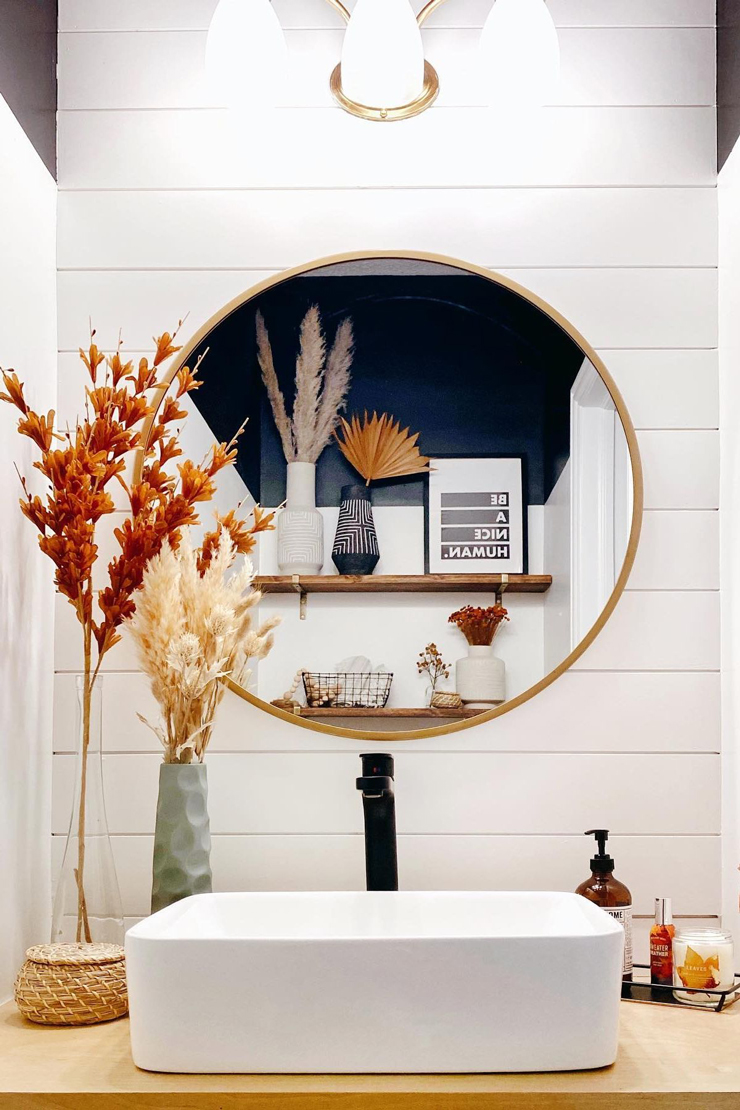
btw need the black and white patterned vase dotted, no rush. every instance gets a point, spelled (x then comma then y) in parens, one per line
(355, 548)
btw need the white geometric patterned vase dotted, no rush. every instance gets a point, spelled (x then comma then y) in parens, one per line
(480, 678)
(300, 528)
(355, 548)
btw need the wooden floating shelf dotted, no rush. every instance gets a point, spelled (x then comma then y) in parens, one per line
(404, 583)
(426, 714)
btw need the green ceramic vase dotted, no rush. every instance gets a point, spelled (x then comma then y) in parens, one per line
(182, 837)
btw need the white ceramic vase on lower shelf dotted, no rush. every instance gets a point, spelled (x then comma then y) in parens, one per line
(480, 678)
(300, 526)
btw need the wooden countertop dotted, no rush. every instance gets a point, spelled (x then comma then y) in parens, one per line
(669, 1059)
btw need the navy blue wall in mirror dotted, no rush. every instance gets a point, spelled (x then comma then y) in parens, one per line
(472, 366)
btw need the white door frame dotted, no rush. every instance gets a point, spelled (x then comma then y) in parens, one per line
(598, 493)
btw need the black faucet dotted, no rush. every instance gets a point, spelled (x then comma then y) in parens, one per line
(379, 804)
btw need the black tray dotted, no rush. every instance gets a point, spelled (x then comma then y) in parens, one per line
(642, 990)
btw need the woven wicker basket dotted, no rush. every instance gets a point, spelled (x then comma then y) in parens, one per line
(72, 984)
(443, 700)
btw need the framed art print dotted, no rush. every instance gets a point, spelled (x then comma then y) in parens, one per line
(475, 516)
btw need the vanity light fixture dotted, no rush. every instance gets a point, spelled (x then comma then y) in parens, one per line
(383, 74)
(246, 55)
(519, 55)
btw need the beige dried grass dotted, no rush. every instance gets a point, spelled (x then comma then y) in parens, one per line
(321, 386)
(193, 628)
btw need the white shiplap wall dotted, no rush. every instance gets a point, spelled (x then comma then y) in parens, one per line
(170, 205)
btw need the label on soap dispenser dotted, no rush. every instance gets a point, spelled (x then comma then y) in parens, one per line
(623, 914)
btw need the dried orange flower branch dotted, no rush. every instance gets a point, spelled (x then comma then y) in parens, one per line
(81, 466)
(430, 662)
(477, 625)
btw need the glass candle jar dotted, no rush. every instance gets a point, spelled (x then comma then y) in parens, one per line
(702, 958)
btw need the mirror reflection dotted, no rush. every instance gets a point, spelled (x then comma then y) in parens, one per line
(452, 479)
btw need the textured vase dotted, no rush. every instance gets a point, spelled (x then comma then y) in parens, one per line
(182, 836)
(300, 526)
(355, 548)
(480, 678)
(87, 902)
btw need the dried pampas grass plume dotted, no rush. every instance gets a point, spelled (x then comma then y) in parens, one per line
(379, 448)
(192, 629)
(321, 386)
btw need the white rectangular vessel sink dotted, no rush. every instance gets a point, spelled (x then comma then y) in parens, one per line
(414, 981)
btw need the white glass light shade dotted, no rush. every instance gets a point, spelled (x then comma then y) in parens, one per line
(246, 55)
(519, 55)
(382, 55)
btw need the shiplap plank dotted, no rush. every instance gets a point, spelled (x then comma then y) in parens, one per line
(436, 793)
(613, 308)
(495, 227)
(634, 66)
(612, 13)
(101, 15)
(668, 389)
(678, 551)
(631, 307)
(617, 712)
(139, 305)
(681, 469)
(687, 866)
(609, 66)
(322, 147)
(658, 630)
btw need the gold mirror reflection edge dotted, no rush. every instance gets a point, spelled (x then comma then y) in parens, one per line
(363, 735)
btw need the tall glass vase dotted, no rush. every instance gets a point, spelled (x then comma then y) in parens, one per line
(87, 903)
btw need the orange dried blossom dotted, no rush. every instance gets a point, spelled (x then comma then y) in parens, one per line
(81, 465)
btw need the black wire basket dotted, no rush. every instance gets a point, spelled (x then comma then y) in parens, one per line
(346, 689)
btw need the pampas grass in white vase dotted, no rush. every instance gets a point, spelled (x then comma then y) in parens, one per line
(321, 383)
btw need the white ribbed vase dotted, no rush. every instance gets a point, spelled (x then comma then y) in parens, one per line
(300, 527)
(480, 678)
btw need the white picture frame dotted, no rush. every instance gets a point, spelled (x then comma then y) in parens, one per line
(475, 516)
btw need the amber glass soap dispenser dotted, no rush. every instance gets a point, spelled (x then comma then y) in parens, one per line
(606, 891)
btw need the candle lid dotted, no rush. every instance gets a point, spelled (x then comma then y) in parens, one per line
(703, 936)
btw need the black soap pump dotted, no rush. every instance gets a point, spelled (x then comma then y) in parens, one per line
(604, 890)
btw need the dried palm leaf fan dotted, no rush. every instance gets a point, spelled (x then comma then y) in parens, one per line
(377, 447)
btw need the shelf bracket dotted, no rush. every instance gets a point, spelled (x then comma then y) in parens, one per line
(303, 602)
(502, 588)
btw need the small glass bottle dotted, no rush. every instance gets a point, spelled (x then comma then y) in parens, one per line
(702, 958)
(661, 944)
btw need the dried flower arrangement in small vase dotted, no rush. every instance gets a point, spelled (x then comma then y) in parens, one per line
(378, 448)
(321, 385)
(480, 678)
(80, 467)
(431, 663)
(193, 628)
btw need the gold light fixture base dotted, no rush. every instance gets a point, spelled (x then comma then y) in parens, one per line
(424, 100)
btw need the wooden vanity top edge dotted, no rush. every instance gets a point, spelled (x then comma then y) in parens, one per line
(669, 1058)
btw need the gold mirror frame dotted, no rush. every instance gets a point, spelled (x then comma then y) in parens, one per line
(363, 736)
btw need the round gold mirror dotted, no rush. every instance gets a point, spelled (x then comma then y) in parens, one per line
(461, 536)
